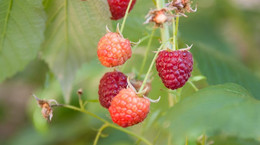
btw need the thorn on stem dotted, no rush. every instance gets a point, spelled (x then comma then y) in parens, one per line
(107, 29)
(153, 101)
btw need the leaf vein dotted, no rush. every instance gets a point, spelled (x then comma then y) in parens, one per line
(5, 24)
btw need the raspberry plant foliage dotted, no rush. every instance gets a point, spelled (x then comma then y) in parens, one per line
(126, 106)
(16, 51)
(64, 48)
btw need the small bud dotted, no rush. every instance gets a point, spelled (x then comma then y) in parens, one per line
(80, 91)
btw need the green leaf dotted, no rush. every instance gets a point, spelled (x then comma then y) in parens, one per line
(21, 34)
(73, 29)
(227, 109)
(222, 140)
(219, 68)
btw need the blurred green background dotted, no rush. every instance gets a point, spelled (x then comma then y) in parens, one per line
(225, 35)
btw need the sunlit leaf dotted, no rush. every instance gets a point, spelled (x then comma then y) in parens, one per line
(227, 109)
(73, 29)
(219, 68)
(21, 34)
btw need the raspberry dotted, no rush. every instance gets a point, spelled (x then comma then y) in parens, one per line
(128, 109)
(174, 67)
(110, 85)
(118, 8)
(113, 50)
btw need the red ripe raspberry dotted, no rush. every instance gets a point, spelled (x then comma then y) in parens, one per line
(113, 50)
(118, 8)
(110, 85)
(128, 109)
(174, 67)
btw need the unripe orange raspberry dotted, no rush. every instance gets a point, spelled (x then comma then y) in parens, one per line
(113, 50)
(128, 109)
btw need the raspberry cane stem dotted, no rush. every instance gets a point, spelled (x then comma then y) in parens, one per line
(146, 52)
(175, 26)
(99, 132)
(108, 123)
(126, 14)
(133, 49)
(165, 29)
(150, 67)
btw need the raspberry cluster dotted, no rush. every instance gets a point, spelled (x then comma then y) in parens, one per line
(119, 96)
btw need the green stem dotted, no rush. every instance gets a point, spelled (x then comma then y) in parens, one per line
(108, 123)
(99, 133)
(159, 4)
(150, 68)
(186, 141)
(173, 33)
(131, 133)
(81, 102)
(165, 29)
(176, 33)
(86, 112)
(203, 139)
(126, 14)
(133, 49)
(193, 86)
(146, 52)
(171, 99)
(175, 27)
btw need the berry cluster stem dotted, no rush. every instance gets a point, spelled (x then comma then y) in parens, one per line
(146, 52)
(193, 86)
(150, 68)
(175, 32)
(186, 141)
(165, 29)
(133, 49)
(126, 14)
(99, 133)
(108, 124)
